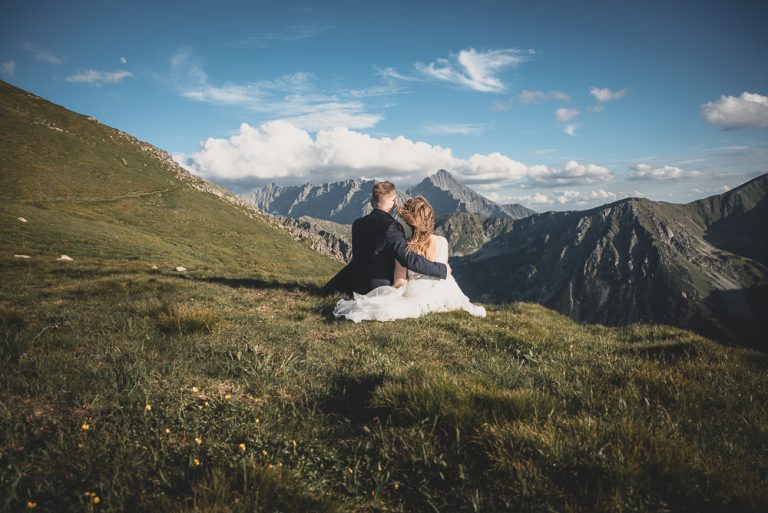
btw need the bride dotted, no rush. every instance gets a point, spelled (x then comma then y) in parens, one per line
(412, 294)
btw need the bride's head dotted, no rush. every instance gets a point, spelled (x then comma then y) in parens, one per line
(420, 216)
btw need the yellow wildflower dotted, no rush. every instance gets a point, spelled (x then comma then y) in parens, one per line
(350, 471)
(167, 431)
(31, 504)
(263, 452)
(85, 426)
(148, 407)
(198, 440)
(228, 397)
(96, 499)
(196, 462)
(395, 485)
(195, 389)
(242, 447)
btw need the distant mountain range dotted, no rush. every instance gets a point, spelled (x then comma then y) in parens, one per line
(700, 265)
(345, 201)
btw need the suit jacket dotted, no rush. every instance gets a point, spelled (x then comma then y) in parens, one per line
(377, 240)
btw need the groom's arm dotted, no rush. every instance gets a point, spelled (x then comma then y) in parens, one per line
(411, 260)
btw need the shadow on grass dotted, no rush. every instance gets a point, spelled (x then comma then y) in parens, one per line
(255, 283)
(350, 397)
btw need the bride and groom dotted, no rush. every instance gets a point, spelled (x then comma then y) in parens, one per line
(391, 277)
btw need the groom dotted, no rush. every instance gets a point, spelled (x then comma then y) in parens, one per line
(377, 240)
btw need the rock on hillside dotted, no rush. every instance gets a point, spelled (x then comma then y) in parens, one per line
(466, 233)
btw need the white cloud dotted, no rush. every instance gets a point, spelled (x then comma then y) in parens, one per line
(291, 97)
(571, 130)
(123, 60)
(273, 150)
(455, 128)
(538, 96)
(561, 197)
(41, 54)
(8, 68)
(545, 151)
(476, 70)
(597, 108)
(393, 73)
(278, 149)
(566, 114)
(734, 112)
(712, 190)
(665, 173)
(531, 199)
(572, 174)
(297, 32)
(91, 76)
(606, 95)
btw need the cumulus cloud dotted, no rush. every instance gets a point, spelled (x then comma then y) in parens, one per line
(123, 60)
(293, 97)
(7, 69)
(41, 54)
(566, 114)
(665, 173)
(91, 76)
(570, 130)
(475, 70)
(573, 173)
(734, 112)
(278, 149)
(606, 95)
(560, 197)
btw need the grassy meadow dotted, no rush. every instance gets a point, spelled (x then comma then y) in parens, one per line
(128, 386)
(218, 392)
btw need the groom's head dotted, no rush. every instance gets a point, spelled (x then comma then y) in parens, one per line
(384, 196)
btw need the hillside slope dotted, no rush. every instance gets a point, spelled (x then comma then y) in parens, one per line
(637, 260)
(90, 191)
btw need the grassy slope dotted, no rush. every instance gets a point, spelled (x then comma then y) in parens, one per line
(90, 193)
(523, 410)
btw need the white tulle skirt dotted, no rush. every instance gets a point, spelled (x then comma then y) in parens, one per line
(414, 299)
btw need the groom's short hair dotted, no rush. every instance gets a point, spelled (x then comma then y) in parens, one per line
(380, 191)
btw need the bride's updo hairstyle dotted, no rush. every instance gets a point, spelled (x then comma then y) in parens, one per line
(420, 216)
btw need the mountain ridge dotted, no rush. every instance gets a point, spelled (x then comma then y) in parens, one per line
(346, 200)
(633, 260)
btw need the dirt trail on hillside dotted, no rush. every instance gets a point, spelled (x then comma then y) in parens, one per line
(99, 200)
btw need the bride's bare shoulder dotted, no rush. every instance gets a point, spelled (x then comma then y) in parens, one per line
(437, 239)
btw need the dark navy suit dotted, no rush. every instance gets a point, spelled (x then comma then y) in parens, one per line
(377, 241)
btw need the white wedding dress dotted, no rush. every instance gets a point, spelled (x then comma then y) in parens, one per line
(419, 296)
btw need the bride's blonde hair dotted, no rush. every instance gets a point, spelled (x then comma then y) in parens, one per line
(420, 216)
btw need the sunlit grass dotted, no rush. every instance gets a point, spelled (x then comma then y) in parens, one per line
(523, 410)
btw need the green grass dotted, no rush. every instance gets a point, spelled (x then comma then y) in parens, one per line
(231, 388)
(524, 410)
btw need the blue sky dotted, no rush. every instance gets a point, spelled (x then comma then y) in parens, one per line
(557, 105)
